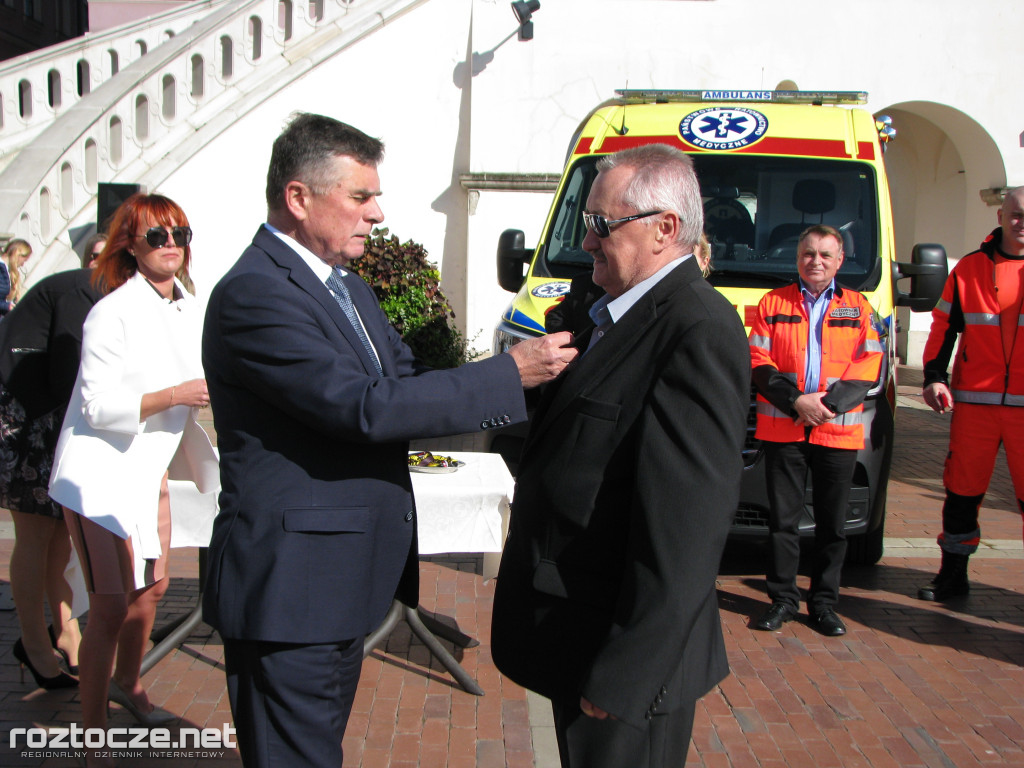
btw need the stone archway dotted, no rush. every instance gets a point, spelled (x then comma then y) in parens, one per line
(939, 162)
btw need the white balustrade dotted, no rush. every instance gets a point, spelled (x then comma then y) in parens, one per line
(121, 105)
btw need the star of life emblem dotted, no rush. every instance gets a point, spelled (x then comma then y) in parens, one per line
(723, 127)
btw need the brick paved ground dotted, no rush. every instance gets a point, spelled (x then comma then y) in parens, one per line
(912, 685)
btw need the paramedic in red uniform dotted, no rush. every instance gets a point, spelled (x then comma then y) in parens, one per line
(815, 354)
(982, 303)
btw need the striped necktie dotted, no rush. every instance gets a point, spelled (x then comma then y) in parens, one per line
(341, 295)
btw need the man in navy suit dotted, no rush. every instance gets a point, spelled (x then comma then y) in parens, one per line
(315, 398)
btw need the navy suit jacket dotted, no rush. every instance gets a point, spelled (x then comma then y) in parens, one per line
(317, 523)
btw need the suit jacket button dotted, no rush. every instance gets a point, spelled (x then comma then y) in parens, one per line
(648, 715)
(664, 690)
(408, 516)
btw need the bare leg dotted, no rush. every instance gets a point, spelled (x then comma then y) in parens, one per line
(58, 593)
(138, 625)
(106, 616)
(28, 568)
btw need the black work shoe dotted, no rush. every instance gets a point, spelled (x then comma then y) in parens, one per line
(938, 591)
(828, 623)
(950, 581)
(775, 617)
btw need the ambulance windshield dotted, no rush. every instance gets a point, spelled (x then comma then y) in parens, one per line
(755, 208)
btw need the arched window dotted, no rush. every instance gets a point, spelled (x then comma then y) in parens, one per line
(67, 189)
(226, 54)
(90, 164)
(140, 46)
(316, 10)
(44, 213)
(115, 64)
(198, 86)
(53, 88)
(141, 117)
(115, 142)
(168, 97)
(84, 86)
(256, 36)
(25, 99)
(284, 18)
(168, 34)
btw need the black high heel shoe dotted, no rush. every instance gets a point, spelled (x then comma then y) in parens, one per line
(64, 654)
(61, 680)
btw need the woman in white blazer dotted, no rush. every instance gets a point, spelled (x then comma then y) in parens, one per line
(130, 427)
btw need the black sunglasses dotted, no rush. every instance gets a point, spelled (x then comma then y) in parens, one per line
(157, 236)
(602, 227)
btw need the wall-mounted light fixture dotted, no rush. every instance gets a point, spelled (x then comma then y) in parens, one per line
(524, 11)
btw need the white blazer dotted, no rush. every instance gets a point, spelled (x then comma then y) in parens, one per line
(108, 464)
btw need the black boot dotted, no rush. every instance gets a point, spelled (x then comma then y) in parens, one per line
(951, 580)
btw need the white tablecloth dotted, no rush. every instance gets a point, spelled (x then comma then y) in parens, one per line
(466, 510)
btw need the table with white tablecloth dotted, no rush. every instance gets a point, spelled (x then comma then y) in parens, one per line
(462, 511)
(466, 510)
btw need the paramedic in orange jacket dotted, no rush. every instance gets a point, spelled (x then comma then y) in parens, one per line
(982, 303)
(815, 354)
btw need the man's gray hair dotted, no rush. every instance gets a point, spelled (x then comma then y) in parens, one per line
(663, 180)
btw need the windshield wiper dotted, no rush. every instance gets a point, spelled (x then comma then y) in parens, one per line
(763, 277)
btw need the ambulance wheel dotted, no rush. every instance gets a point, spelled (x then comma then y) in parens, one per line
(866, 549)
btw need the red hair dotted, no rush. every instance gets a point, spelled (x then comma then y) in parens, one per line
(116, 265)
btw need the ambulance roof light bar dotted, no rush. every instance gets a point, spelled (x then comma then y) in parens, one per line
(653, 96)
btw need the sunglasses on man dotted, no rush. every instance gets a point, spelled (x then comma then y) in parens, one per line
(602, 227)
(157, 237)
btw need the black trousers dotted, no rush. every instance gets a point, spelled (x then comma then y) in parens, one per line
(831, 470)
(584, 742)
(291, 702)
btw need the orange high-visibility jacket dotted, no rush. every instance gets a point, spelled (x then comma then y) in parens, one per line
(851, 358)
(969, 306)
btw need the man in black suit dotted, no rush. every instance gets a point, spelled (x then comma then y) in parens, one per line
(605, 601)
(315, 398)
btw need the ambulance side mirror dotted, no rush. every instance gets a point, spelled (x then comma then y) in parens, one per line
(927, 271)
(512, 255)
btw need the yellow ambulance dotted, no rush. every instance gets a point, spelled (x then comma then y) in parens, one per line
(770, 164)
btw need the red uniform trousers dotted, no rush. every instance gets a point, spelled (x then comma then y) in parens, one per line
(975, 434)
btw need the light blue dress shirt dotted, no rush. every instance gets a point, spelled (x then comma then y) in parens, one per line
(816, 311)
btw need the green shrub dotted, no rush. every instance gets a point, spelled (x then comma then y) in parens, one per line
(407, 286)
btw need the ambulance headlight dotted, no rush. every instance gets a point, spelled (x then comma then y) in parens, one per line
(506, 337)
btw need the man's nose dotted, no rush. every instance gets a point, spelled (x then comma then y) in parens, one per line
(591, 242)
(374, 213)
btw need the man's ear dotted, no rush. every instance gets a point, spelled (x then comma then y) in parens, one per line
(667, 229)
(297, 197)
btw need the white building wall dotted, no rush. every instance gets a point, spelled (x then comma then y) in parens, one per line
(451, 91)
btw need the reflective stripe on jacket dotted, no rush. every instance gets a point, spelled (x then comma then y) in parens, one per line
(850, 352)
(969, 307)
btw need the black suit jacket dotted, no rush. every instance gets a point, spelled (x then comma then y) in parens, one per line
(628, 483)
(41, 340)
(317, 522)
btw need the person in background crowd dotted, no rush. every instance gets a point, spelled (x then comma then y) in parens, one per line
(40, 347)
(981, 303)
(93, 249)
(815, 354)
(12, 261)
(605, 600)
(130, 427)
